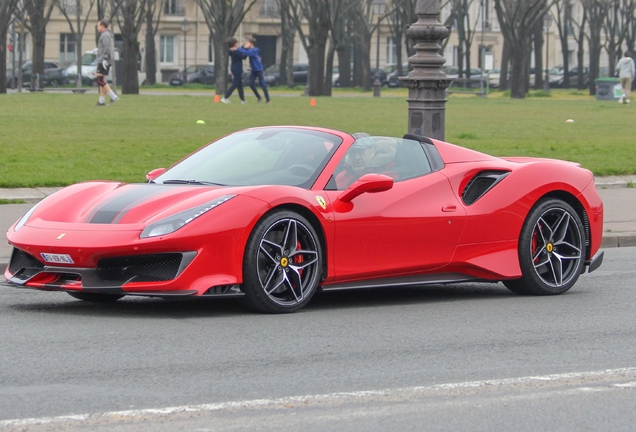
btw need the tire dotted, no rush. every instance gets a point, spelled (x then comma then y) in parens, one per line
(95, 297)
(551, 250)
(282, 265)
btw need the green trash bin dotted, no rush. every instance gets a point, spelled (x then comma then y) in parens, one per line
(608, 88)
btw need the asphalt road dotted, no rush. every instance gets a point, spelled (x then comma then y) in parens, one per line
(459, 357)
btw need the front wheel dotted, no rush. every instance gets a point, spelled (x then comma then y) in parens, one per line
(551, 250)
(95, 297)
(282, 264)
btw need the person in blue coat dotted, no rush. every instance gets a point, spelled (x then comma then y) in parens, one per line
(236, 67)
(250, 50)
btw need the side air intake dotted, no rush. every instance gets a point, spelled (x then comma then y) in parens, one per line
(480, 184)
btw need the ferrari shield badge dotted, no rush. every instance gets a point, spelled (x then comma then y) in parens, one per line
(321, 201)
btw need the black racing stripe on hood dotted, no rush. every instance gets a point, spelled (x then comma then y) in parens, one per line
(114, 209)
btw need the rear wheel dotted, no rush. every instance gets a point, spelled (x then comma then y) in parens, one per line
(95, 297)
(551, 250)
(282, 264)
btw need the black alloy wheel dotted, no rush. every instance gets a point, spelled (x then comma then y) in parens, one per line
(551, 250)
(282, 264)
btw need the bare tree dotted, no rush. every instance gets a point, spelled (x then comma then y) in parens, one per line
(288, 34)
(317, 13)
(579, 37)
(39, 13)
(223, 19)
(596, 11)
(516, 20)
(537, 38)
(72, 10)
(620, 15)
(6, 11)
(152, 25)
(130, 19)
(563, 20)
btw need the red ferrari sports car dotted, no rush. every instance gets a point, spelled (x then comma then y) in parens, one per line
(272, 214)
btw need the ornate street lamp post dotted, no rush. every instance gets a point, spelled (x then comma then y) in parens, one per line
(185, 25)
(427, 81)
(547, 22)
(378, 10)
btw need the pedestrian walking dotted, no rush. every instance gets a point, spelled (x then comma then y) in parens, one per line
(104, 62)
(251, 51)
(626, 72)
(236, 67)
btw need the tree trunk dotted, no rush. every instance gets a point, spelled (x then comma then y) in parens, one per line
(220, 63)
(151, 50)
(504, 70)
(317, 68)
(331, 52)
(344, 64)
(38, 35)
(3, 61)
(130, 83)
(78, 60)
(519, 73)
(538, 57)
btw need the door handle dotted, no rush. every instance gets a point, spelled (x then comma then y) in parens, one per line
(449, 208)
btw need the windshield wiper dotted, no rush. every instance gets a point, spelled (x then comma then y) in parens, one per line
(199, 182)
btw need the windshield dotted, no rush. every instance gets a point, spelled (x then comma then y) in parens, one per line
(89, 59)
(271, 156)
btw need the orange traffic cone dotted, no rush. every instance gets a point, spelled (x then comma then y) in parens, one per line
(312, 102)
(217, 98)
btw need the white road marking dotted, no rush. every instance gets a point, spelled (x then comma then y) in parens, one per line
(255, 403)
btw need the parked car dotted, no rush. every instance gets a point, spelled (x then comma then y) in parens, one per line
(197, 74)
(452, 73)
(392, 76)
(89, 68)
(271, 215)
(53, 75)
(558, 80)
(383, 78)
(272, 74)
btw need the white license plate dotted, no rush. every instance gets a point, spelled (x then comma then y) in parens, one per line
(175, 82)
(57, 258)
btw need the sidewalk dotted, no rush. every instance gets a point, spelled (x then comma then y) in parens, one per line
(618, 194)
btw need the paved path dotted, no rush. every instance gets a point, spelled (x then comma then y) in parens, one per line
(618, 194)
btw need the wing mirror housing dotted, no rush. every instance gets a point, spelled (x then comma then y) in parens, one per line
(154, 174)
(368, 183)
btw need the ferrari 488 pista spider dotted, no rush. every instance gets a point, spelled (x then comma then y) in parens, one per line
(272, 214)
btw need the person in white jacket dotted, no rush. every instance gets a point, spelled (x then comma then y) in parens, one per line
(626, 72)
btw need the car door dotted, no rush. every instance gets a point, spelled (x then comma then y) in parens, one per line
(410, 228)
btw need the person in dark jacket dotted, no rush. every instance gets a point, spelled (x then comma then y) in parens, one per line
(250, 50)
(236, 67)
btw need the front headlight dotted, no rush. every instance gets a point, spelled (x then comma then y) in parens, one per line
(174, 222)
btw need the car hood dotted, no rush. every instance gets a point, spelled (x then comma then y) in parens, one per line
(123, 204)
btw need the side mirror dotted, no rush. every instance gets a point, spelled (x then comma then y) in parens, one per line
(155, 173)
(368, 183)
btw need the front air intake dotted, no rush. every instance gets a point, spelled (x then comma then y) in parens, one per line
(140, 268)
(21, 260)
(480, 184)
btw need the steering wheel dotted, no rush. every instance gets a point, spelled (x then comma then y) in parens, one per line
(301, 170)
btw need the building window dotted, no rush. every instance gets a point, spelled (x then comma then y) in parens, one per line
(391, 51)
(210, 49)
(67, 47)
(166, 49)
(173, 7)
(269, 9)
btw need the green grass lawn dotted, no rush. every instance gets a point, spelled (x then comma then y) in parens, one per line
(50, 139)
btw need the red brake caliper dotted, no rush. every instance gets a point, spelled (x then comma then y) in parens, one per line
(533, 246)
(298, 259)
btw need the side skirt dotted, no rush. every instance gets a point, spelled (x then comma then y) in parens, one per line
(441, 278)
